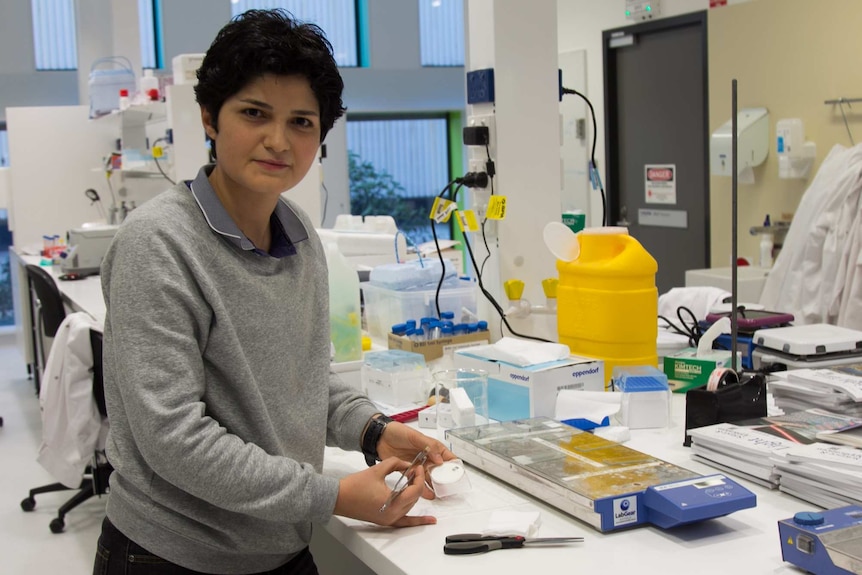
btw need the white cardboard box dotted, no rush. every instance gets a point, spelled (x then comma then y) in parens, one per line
(516, 392)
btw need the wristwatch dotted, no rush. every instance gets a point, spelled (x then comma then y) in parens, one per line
(372, 437)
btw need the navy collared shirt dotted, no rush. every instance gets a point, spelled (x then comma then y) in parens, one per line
(287, 228)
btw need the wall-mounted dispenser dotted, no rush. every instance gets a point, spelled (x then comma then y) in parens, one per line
(795, 155)
(752, 146)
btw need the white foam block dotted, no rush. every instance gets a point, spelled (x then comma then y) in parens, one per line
(463, 410)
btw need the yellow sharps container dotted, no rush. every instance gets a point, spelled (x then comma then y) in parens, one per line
(607, 301)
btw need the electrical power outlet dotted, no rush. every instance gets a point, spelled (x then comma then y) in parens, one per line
(479, 152)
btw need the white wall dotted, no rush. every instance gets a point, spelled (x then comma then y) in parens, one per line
(47, 188)
(5, 178)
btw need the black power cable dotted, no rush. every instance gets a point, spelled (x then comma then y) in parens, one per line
(468, 179)
(593, 167)
(158, 164)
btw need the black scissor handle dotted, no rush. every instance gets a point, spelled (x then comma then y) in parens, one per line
(482, 545)
(472, 547)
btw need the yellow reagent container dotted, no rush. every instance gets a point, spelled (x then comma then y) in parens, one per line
(607, 301)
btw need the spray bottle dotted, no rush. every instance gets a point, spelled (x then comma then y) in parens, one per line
(766, 245)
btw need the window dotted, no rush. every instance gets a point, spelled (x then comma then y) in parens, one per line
(7, 312)
(397, 167)
(441, 32)
(147, 29)
(55, 35)
(4, 146)
(337, 18)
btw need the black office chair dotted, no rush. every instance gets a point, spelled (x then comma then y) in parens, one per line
(48, 313)
(95, 481)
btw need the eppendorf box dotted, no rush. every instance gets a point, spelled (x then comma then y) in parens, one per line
(516, 392)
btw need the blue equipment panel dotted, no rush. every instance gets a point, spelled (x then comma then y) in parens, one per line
(825, 542)
(682, 502)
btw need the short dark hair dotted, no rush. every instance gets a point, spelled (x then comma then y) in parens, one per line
(259, 42)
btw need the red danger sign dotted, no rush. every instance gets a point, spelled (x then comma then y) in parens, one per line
(659, 174)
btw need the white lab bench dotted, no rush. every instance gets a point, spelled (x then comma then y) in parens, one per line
(743, 542)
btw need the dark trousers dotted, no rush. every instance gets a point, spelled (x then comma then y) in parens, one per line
(118, 555)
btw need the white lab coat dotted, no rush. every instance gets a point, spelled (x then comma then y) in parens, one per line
(817, 274)
(72, 427)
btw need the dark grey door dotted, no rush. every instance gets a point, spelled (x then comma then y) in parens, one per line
(656, 126)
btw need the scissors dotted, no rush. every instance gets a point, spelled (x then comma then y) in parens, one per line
(472, 543)
(405, 478)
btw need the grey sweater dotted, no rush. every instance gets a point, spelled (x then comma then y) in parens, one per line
(219, 393)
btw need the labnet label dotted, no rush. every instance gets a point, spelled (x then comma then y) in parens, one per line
(625, 511)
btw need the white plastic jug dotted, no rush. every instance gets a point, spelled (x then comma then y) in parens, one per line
(345, 321)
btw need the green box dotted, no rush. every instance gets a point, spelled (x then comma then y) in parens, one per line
(685, 370)
(575, 220)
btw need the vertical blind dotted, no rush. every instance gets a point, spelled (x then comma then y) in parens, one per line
(415, 152)
(54, 39)
(147, 28)
(4, 148)
(441, 32)
(337, 18)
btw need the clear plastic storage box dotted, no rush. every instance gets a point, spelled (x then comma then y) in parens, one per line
(385, 307)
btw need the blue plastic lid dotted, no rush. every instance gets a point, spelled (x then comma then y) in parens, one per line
(482, 325)
(447, 315)
(638, 378)
(399, 328)
(809, 518)
(419, 331)
(447, 329)
(410, 323)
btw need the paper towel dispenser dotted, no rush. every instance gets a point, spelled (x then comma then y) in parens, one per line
(752, 145)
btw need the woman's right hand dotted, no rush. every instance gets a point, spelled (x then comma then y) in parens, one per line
(362, 494)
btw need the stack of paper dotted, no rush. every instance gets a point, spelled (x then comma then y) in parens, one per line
(757, 449)
(742, 451)
(826, 475)
(838, 389)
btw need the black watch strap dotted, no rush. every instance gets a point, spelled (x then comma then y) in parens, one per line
(372, 437)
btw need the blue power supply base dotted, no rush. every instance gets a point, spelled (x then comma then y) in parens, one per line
(677, 503)
(825, 542)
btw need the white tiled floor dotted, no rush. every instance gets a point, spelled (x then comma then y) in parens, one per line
(27, 546)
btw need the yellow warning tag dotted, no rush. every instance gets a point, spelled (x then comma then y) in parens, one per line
(158, 152)
(467, 221)
(442, 209)
(497, 208)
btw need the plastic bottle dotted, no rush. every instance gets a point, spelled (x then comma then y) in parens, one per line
(766, 246)
(766, 250)
(345, 326)
(607, 301)
(150, 85)
(124, 99)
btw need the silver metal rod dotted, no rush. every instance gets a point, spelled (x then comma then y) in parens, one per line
(734, 324)
(843, 101)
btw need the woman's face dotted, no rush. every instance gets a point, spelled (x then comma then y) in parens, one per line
(268, 134)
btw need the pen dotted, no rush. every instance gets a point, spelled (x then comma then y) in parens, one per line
(405, 478)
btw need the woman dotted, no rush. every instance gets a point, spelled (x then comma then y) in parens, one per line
(217, 376)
